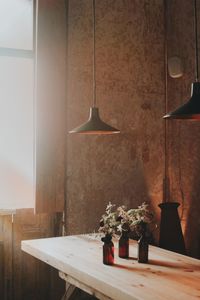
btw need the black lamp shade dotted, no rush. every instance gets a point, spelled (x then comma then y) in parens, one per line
(191, 109)
(94, 125)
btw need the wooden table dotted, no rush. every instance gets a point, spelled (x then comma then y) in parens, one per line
(168, 276)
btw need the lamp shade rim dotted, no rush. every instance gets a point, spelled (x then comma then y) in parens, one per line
(172, 115)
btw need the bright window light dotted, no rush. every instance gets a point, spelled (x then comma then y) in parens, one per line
(16, 106)
(16, 24)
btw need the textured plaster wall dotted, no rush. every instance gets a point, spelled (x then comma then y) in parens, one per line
(126, 168)
(129, 168)
(184, 136)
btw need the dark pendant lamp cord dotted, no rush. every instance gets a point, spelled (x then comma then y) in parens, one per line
(94, 55)
(166, 186)
(196, 41)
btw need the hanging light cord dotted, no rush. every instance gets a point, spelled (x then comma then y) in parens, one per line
(94, 55)
(166, 186)
(196, 40)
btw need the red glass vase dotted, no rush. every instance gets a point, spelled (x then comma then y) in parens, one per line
(108, 250)
(124, 245)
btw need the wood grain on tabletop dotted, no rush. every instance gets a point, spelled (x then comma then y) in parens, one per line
(168, 275)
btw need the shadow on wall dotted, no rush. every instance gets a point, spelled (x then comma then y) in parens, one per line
(189, 167)
(192, 226)
(114, 171)
(132, 190)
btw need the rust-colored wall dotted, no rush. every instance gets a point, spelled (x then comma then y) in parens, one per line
(184, 136)
(129, 168)
(126, 168)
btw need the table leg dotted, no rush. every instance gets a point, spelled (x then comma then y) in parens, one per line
(76, 290)
(68, 291)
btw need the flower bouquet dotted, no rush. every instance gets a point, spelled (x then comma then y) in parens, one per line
(125, 222)
(108, 225)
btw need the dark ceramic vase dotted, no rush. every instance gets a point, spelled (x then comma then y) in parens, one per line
(124, 245)
(108, 250)
(171, 236)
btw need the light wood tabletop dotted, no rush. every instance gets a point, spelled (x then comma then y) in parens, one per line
(167, 276)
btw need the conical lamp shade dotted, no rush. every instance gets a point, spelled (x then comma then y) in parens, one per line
(191, 109)
(94, 125)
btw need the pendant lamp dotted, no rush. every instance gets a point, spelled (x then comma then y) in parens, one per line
(94, 125)
(191, 109)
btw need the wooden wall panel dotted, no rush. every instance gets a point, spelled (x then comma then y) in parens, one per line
(6, 236)
(24, 277)
(1, 268)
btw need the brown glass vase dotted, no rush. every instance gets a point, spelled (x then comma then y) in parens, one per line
(124, 245)
(108, 250)
(143, 245)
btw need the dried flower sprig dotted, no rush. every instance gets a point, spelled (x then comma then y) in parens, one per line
(133, 217)
(109, 221)
(121, 219)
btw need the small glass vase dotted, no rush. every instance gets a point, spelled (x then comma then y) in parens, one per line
(108, 250)
(143, 245)
(124, 245)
